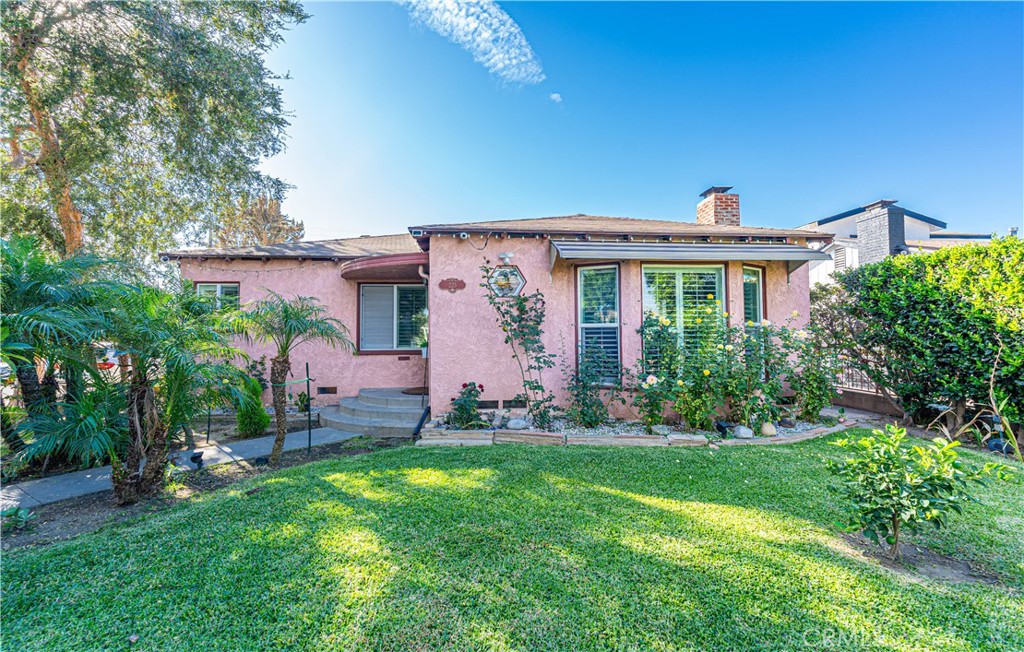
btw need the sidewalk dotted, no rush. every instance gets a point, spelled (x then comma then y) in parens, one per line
(42, 491)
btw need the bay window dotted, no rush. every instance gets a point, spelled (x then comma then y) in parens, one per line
(679, 292)
(392, 317)
(598, 318)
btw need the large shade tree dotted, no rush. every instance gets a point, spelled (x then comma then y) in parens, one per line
(287, 323)
(129, 123)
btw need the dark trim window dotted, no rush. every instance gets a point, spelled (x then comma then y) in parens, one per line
(391, 317)
(224, 295)
(598, 318)
(678, 292)
(753, 294)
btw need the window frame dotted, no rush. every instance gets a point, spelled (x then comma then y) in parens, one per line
(616, 326)
(722, 282)
(220, 291)
(762, 294)
(394, 285)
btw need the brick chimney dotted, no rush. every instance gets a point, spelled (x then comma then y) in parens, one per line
(880, 231)
(719, 207)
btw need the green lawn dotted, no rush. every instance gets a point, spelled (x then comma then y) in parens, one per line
(518, 548)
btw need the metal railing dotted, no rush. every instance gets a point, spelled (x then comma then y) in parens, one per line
(853, 378)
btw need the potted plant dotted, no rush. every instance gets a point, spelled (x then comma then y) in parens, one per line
(423, 328)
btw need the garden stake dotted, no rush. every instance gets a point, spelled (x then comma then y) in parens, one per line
(309, 416)
(209, 416)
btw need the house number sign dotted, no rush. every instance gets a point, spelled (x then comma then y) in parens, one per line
(453, 285)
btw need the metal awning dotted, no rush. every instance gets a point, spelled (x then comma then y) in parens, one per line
(795, 255)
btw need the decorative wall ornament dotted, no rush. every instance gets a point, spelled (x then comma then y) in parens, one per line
(453, 285)
(506, 280)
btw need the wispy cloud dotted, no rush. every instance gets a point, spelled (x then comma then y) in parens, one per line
(485, 31)
(556, 98)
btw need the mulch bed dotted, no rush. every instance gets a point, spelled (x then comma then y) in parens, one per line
(69, 518)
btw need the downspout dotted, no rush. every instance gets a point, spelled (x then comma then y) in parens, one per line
(426, 366)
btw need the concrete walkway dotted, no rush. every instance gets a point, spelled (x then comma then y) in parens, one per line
(42, 491)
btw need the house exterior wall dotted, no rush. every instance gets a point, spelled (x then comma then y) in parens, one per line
(330, 367)
(467, 345)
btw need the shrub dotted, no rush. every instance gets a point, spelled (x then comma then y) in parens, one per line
(465, 413)
(657, 369)
(17, 518)
(925, 327)
(896, 488)
(250, 416)
(303, 402)
(813, 380)
(586, 406)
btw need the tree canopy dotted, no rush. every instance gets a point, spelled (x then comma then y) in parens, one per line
(130, 125)
(257, 222)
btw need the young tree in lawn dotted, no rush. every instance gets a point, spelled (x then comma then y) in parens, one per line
(287, 323)
(134, 117)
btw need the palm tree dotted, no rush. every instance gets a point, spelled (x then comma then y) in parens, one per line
(49, 304)
(167, 345)
(288, 323)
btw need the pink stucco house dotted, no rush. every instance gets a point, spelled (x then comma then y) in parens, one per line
(598, 275)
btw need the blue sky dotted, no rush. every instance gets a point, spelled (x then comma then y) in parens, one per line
(806, 109)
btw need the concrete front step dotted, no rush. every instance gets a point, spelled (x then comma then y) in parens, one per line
(353, 406)
(391, 397)
(333, 417)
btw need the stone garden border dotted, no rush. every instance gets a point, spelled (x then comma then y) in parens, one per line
(445, 437)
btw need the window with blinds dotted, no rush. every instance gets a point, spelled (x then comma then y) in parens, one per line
(753, 294)
(391, 317)
(599, 318)
(678, 292)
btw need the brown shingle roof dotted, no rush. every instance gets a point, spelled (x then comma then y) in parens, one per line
(594, 224)
(369, 245)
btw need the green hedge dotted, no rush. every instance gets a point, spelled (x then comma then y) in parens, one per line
(932, 327)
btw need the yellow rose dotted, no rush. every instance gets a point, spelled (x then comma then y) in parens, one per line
(699, 320)
(711, 296)
(725, 314)
(750, 323)
(707, 372)
(707, 310)
(720, 347)
(679, 383)
(718, 302)
(728, 347)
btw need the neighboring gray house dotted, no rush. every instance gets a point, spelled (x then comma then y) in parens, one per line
(870, 233)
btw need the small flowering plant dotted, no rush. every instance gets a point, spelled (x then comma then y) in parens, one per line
(465, 413)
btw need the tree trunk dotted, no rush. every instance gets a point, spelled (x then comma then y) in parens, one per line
(51, 160)
(894, 549)
(141, 473)
(279, 369)
(31, 390)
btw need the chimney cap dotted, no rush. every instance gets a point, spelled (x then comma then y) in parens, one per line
(715, 190)
(881, 203)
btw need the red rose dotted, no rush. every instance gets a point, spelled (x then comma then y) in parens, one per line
(464, 385)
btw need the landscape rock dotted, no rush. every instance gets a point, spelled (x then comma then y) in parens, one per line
(517, 424)
(786, 422)
(742, 432)
(768, 429)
